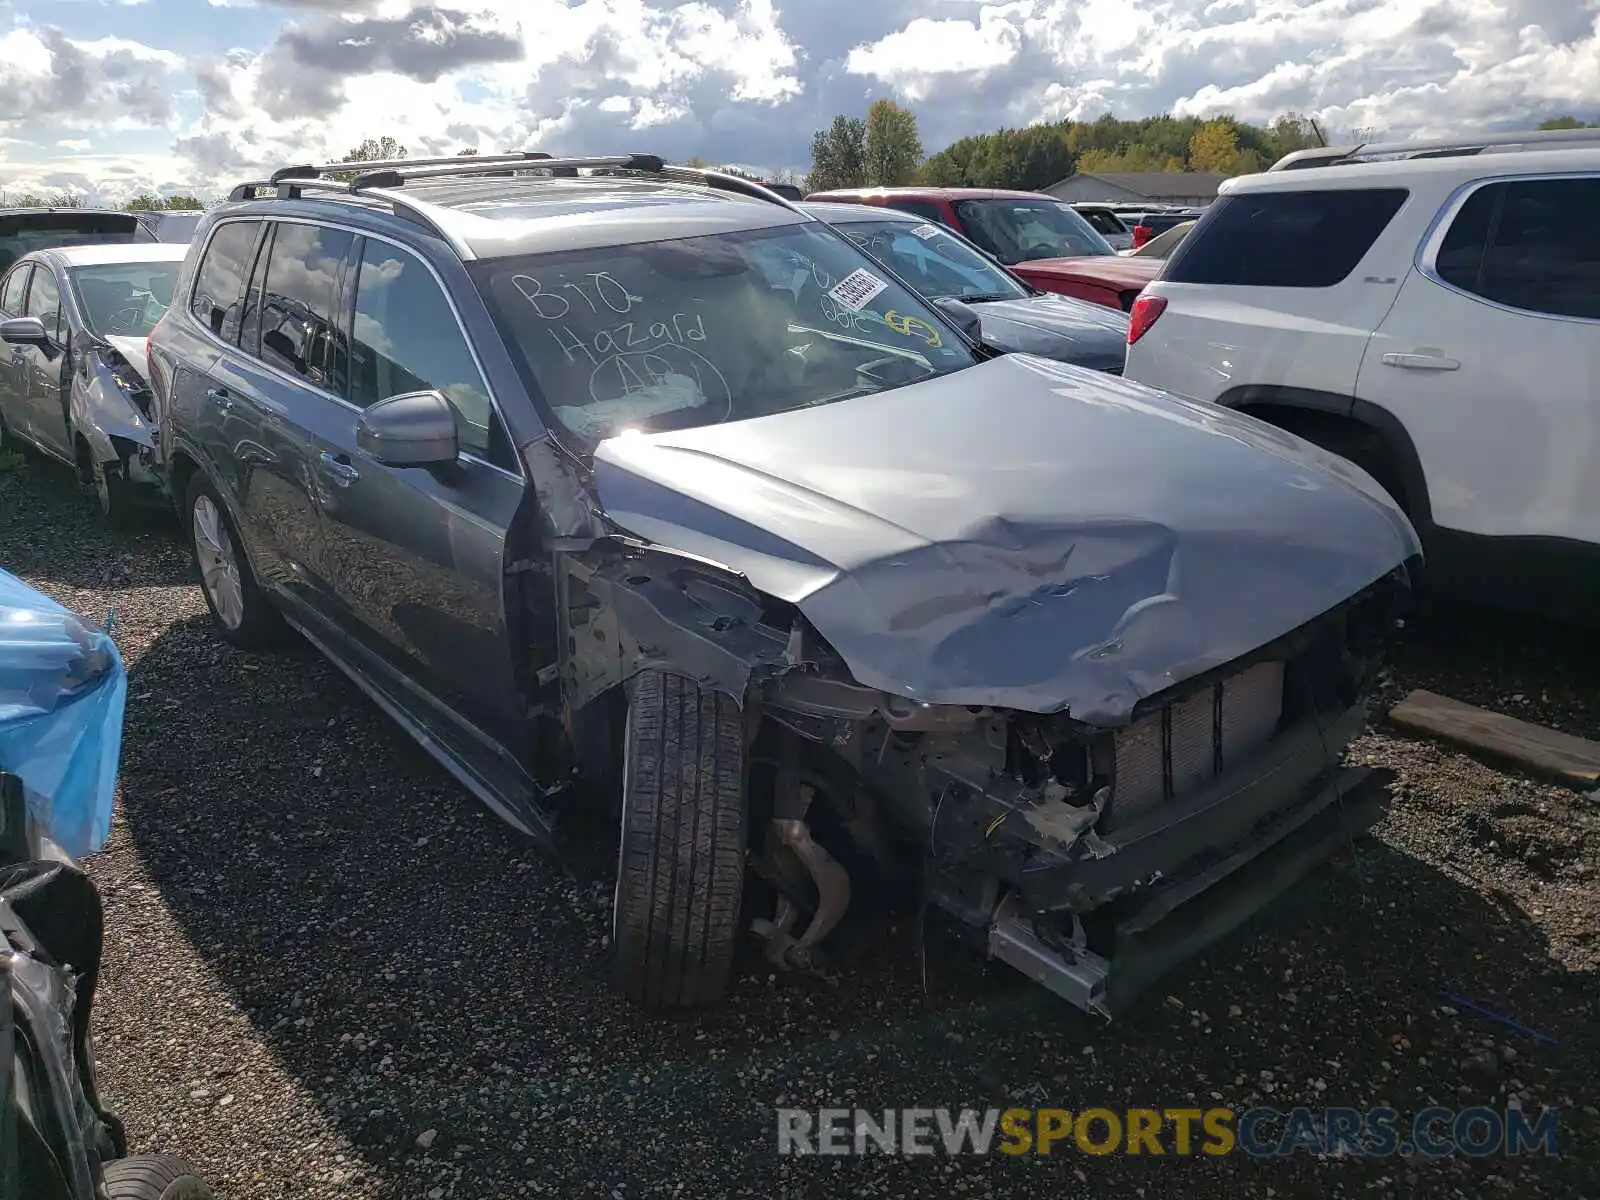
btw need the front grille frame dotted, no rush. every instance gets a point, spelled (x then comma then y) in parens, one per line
(1328, 663)
(1193, 739)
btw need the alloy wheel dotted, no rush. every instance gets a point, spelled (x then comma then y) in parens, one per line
(219, 563)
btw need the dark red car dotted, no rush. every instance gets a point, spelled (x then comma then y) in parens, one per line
(1037, 236)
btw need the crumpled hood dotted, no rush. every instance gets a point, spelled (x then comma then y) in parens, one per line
(1022, 533)
(1058, 327)
(132, 349)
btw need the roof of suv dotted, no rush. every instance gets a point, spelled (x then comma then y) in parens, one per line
(492, 216)
(1462, 167)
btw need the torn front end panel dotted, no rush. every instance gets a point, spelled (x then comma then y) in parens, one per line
(113, 409)
(1094, 859)
(627, 608)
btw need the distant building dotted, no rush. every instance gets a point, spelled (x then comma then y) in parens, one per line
(1134, 187)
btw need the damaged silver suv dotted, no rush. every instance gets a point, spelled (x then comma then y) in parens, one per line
(608, 478)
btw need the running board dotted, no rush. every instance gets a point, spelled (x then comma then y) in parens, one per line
(525, 813)
(1158, 936)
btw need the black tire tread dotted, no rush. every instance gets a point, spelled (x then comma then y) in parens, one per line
(681, 861)
(154, 1177)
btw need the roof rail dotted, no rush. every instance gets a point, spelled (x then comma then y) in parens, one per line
(1532, 140)
(394, 175)
(291, 187)
(361, 166)
(381, 179)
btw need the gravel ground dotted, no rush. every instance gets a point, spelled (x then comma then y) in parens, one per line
(330, 973)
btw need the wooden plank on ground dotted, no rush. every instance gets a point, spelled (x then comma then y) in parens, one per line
(1546, 751)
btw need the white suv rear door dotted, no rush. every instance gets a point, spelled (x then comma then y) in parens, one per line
(1276, 288)
(1490, 358)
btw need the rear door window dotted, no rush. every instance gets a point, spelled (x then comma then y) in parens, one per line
(1523, 244)
(1301, 239)
(16, 286)
(301, 332)
(219, 283)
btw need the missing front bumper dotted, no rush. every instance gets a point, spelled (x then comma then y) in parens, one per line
(1175, 922)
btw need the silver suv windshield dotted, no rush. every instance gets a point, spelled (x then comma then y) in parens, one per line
(723, 327)
(1021, 230)
(933, 260)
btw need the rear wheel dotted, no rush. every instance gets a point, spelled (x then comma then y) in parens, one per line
(241, 611)
(154, 1177)
(680, 863)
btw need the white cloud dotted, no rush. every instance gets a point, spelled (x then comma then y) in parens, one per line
(914, 58)
(748, 80)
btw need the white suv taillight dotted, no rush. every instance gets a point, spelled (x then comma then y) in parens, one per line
(1146, 309)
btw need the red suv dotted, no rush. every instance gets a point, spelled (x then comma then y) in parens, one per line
(1037, 236)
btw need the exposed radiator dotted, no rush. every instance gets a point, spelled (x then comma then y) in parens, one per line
(1170, 752)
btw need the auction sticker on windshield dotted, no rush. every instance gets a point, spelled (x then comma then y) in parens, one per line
(925, 232)
(856, 289)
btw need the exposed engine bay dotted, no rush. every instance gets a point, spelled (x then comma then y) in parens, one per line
(1090, 856)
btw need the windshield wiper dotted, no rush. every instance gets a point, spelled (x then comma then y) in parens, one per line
(984, 297)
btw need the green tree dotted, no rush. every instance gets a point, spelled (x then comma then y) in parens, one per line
(1134, 158)
(467, 153)
(24, 200)
(1567, 123)
(371, 150)
(839, 155)
(893, 147)
(1029, 159)
(1290, 132)
(1215, 147)
(150, 202)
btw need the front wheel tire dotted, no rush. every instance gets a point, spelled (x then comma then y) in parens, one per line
(680, 863)
(154, 1177)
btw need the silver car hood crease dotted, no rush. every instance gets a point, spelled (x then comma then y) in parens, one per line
(1023, 533)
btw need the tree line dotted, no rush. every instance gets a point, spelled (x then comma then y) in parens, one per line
(884, 149)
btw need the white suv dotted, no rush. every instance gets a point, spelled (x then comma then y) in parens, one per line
(1431, 312)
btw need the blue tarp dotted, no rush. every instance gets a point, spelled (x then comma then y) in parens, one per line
(63, 690)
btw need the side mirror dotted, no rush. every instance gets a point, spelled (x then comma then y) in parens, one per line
(414, 429)
(964, 315)
(24, 331)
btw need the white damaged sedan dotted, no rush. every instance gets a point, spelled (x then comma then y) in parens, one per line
(73, 382)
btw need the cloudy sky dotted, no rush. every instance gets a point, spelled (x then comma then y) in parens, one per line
(117, 95)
